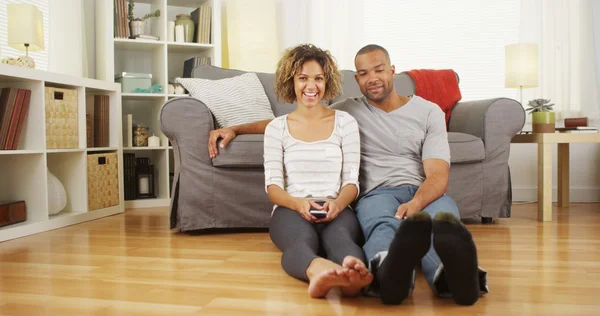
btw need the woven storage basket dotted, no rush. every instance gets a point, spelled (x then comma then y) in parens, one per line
(103, 180)
(61, 118)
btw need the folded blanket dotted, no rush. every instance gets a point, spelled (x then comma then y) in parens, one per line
(437, 86)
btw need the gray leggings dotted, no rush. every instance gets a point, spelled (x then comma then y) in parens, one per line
(300, 240)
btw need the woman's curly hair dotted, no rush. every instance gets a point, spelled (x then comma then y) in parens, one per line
(290, 64)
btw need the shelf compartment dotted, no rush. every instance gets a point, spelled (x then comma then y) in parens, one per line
(114, 121)
(33, 134)
(70, 169)
(161, 174)
(143, 112)
(29, 186)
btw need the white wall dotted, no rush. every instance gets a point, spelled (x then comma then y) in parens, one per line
(250, 35)
(72, 37)
(66, 48)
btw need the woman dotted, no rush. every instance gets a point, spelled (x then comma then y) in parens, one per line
(312, 158)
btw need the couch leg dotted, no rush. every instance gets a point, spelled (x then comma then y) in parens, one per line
(487, 220)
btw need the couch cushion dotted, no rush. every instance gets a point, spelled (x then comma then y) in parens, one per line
(232, 101)
(244, 151)
(465, 148)
(266, 79)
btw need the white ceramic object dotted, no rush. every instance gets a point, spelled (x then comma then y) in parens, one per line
(57, 196)
(153, 141)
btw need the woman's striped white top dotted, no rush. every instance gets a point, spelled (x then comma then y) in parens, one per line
(314, 170)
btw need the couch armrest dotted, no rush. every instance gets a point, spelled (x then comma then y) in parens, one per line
(187, 122)
(495, 121)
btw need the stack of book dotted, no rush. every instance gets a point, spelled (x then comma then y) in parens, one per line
(190, 64)
(577, 125)
(578, 129)
(14, 105)
(202, 20)
(101, 121)
(121, 22)
(129, 176)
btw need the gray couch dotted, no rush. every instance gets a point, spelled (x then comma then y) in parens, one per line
(228, 191)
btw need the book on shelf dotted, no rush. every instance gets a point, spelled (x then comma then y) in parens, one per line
(121, 23)
(202, 17)
(12, 212)
(129, 176)
(578, 129)
(14, 106)
(190, 64)
(576, 121)
(101, 120)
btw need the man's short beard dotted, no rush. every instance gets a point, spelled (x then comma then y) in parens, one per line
(384, 95)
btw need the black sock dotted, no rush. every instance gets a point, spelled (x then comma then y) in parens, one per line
(410, 244)
(454, 244)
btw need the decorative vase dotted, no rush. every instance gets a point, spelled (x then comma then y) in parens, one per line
(137, 27)
(543, 122)
(188, 26)
(57, 195)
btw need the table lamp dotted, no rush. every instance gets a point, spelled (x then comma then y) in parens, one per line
(521, 67)
(25, 30)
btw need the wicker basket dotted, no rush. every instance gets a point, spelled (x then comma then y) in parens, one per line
(103, 180)
(61, 118)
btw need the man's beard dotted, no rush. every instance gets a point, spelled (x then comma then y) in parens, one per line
(386, 90)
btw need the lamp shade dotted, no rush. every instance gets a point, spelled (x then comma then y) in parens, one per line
(521, 66)
(25, 26)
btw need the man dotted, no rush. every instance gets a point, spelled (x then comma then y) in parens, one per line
(405, 216)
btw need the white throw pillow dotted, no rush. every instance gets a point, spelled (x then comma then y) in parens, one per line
(233, 101)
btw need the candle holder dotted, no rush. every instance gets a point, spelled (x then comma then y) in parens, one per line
(144, 179)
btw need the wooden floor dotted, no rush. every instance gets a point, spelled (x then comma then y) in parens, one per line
(132, 264)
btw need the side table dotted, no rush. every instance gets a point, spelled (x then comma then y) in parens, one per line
(545, 141)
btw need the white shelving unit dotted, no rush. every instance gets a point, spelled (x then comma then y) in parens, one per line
(23, 172)
(164, 60)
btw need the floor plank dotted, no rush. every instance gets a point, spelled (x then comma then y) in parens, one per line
(133, 264)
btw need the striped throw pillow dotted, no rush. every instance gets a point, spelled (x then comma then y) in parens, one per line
(232, 101)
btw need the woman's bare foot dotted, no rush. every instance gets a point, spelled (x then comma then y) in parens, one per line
(324, 275)
(358, 275)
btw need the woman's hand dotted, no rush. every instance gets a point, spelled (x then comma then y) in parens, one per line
(303, 206)
(333, 210)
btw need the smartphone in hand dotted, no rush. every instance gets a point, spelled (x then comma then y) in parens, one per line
(318, 213)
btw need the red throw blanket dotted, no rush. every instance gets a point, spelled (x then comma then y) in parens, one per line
(437, 86)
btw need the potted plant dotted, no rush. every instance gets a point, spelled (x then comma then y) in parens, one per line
(137, 25)
(543, 117)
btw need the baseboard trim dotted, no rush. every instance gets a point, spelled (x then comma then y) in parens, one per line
(577, 194)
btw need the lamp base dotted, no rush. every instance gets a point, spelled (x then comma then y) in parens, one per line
(23, 61)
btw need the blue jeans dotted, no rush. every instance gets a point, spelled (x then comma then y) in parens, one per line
(376, 211)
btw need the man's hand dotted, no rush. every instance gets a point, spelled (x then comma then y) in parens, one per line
(226, 133)
(303, 206)
(333, 210)
(407, 209)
